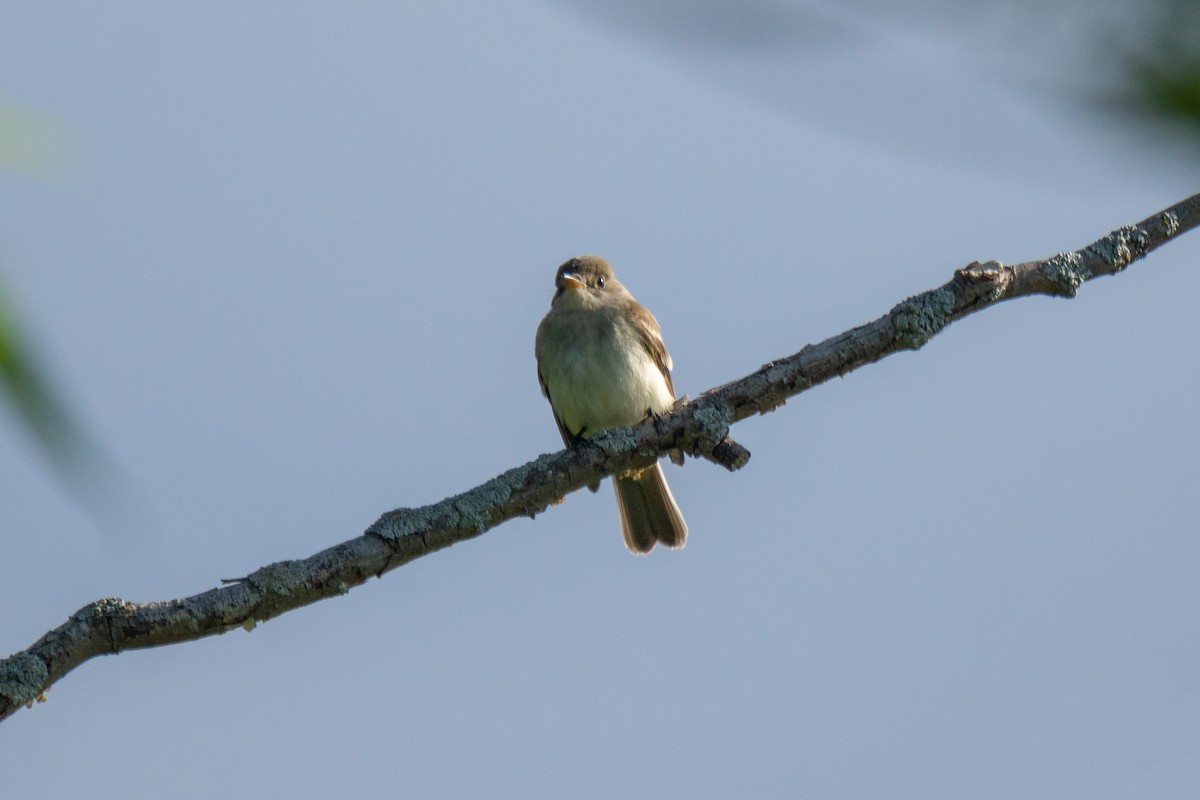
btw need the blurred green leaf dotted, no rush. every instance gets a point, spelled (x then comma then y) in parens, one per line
(1163, 66)
(1172, 92)
(29, 391)
(82, 466)
(28, 142)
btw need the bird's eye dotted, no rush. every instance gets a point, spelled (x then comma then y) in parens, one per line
(600, 282)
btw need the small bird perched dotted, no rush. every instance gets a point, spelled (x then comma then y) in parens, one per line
(602, 364)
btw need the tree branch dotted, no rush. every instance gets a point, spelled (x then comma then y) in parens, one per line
(699, 428)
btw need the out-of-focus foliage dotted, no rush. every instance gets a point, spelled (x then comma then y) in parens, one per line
(25, 385)
(1163, 73)
(29, 143)
(1139, 58)
(82, 466)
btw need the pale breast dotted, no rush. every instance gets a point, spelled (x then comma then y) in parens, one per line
(598, 373)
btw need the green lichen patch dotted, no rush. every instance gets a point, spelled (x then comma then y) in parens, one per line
(1121, 247)
(1168, 223)
(473, 510)
(22, 677)
(105, 607)
(395, 525)
(919, 318)
(279, 579)
(1067, 272)
(714, 427)
(614, 441)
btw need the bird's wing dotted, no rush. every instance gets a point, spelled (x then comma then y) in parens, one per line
(568, 439)
(651, 336)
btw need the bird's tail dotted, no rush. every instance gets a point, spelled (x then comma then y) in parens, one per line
(648, 511)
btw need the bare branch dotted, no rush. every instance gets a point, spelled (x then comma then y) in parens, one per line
(698, 428)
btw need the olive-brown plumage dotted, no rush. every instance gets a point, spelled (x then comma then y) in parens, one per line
(602, 364)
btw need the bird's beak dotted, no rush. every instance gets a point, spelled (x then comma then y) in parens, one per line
(571, 282)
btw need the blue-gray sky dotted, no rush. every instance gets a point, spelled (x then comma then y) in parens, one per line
(289, 272)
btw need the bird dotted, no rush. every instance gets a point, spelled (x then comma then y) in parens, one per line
(601, 363)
